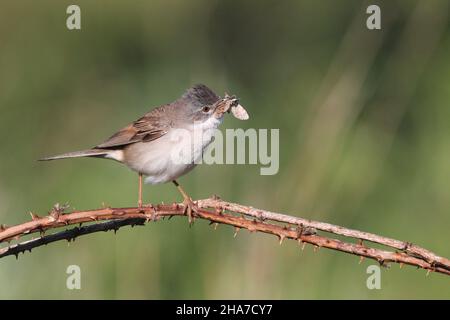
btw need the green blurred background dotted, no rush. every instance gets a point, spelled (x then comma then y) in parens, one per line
(364, 140)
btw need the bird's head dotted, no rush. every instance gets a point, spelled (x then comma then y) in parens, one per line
(202, 103)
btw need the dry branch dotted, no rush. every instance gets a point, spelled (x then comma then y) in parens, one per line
(218, 211)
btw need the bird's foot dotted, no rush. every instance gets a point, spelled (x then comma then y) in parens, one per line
(189, 208)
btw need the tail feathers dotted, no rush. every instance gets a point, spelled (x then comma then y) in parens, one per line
(78, 154)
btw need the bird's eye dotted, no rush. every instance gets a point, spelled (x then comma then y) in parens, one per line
(206, 109)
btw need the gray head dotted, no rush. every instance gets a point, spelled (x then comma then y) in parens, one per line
(199, 102)
(200, 95)
(202, 103)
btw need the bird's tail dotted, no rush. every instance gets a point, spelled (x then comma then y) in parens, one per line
(78, 154)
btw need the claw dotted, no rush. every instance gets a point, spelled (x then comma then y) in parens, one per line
(189, 207)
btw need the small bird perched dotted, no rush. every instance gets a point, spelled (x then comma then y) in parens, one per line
(148, 144)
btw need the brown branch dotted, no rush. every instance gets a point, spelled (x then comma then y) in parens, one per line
(221, 212)
(408, 247)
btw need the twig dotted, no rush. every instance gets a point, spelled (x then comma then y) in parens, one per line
(408, 247)
(69, 235)
(221, 212)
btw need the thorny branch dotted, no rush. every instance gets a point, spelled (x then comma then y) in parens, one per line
(217, 211)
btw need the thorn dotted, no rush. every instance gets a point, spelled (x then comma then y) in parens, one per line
(58, 210)
(3, 227)
(236, 231)
(316, 248)
(303, 246)
(34, 217)
(212, 223)
(361, 242)
(309, 231)
(361, 259)
(384, 264)
(281, 238)
(407, 245)
(428, 272)
(401, 265)
(260, 216)
(215, 197)
(93, 218)
(53, 215)
(17, 255)
(299, 231)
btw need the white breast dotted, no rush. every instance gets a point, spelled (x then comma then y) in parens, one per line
(172, 155)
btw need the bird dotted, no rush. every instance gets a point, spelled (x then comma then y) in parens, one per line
(148, 144)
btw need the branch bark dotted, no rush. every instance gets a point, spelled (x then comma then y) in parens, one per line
(217, 211)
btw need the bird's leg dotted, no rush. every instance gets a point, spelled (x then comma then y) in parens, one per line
(187, 201)
(140, 191)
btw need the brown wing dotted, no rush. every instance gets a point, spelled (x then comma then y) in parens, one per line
(150, 127)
